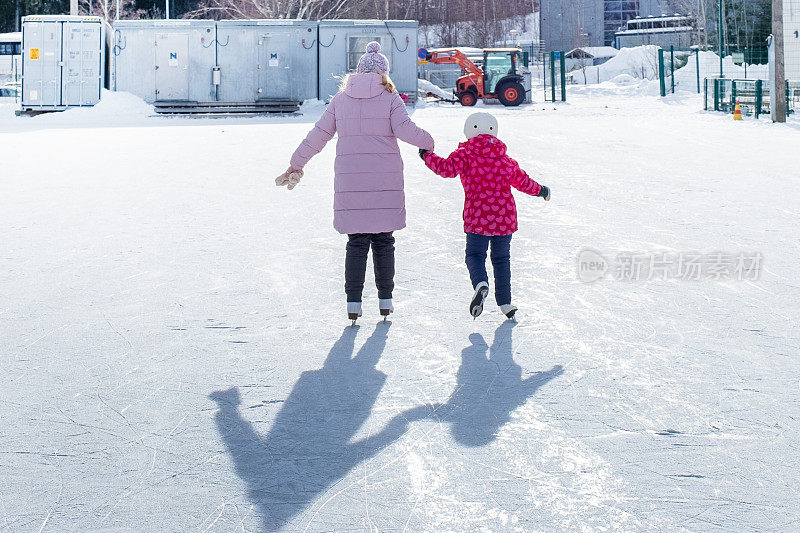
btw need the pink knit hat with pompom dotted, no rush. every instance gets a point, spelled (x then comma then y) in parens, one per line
(373, 60)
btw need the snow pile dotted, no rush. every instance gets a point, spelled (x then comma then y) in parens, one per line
(311, 107)
(640, 62)
(621, 85)
(686, 77)
(114, 108)
(424, 87)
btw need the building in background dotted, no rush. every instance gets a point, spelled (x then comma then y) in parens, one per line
(10, 55)
(791, 40)
(566, 24)
(677, 30)
(588, 56)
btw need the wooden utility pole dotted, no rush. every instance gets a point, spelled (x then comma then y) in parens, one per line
(777, 102)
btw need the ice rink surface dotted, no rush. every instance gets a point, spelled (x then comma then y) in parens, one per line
(176, 357)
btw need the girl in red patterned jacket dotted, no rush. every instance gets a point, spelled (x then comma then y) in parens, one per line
(490, 215)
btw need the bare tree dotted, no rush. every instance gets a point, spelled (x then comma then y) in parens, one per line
(280, 9)
(107, 9)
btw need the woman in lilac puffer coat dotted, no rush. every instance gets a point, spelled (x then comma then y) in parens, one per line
(369, 204)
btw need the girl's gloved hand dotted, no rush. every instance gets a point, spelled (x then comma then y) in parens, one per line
(290, 178)
(545, 193)
(422, 152)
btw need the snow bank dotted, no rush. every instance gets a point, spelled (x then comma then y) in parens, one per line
(114, 108)
(620, 85)
(424, 87)
(640, 62)
(686, 77)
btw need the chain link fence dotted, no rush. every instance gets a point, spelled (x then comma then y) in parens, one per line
(721, 94)
(686, 69)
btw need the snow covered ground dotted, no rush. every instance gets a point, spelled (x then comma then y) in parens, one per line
(175, 355)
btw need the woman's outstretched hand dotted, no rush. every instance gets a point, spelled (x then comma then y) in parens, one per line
(290, 178)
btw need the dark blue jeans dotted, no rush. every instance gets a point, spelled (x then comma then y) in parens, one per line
(501, 263)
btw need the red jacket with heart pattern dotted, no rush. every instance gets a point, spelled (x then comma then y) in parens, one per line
(487, 174)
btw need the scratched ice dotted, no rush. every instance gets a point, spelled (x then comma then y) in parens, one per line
(175, 354)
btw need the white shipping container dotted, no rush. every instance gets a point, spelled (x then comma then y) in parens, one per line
(63, 61)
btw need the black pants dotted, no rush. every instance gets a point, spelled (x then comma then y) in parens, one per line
(355, 264)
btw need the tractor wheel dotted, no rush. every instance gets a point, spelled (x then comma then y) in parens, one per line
(511, 94)
(468, 98)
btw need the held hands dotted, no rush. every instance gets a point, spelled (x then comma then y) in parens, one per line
(290, 178)
(422, 152)
(544, 193)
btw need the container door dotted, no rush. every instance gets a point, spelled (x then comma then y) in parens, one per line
(82, 68)
(274, 79)
(41, 64)
(172, 66)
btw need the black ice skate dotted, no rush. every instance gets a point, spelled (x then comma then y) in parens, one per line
(476, 304)
(353, 311)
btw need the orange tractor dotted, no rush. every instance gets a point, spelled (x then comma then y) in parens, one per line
(499, 78)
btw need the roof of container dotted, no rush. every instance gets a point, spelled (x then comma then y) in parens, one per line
(368, 22)
(153, 23)
(266, 22)
(78, 18)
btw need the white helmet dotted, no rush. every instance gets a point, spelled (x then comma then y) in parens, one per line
(480, 124)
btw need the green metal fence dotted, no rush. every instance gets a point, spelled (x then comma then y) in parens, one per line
(700, 64)
(555, 77)
(666, 70)
(721, 94)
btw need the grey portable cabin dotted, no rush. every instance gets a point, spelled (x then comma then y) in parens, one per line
(342, 43)
(166, 60)
(64, 61)
(262, 60)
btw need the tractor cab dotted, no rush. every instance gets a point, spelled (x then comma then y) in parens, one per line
(501, 78)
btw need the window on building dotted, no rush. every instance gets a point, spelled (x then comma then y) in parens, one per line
(616, 14)
(356, 45)
(9, 49)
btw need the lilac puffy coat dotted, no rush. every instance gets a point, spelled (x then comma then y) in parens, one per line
(368, 183)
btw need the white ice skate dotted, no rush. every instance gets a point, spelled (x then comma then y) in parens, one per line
(353, 311)
(510, 311)
(476, 304)
(386, 307)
